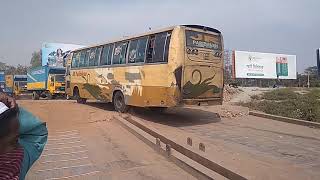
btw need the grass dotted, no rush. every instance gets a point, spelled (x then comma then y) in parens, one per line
(286, 102)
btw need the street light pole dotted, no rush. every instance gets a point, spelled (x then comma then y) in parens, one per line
(308, 83)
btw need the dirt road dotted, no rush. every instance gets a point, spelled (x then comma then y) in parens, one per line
(255, 147)
(84, 143)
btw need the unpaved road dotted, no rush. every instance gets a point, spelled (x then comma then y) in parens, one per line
(256, 148)
(84, 143)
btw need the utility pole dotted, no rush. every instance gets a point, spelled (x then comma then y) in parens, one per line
(308, 83)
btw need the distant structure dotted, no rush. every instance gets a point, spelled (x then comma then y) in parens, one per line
(228, 64)
(318, 62)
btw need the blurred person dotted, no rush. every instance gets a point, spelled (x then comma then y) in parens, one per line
(59, 58)
(22, 139)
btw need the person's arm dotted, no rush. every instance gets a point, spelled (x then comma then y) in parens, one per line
(33, 137)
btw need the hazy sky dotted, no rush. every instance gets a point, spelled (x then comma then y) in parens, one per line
(279, 26)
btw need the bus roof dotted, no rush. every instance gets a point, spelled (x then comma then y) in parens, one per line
(205, 28)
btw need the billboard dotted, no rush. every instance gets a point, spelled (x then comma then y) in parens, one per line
(264, 65)
(53, 54)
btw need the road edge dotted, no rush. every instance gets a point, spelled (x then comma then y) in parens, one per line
(285, 119)
(201, 167)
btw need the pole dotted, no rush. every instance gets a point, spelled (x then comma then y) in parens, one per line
(308, 84)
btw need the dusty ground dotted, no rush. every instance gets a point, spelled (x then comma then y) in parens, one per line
(255, 147)
(245, 94)
(84, 143)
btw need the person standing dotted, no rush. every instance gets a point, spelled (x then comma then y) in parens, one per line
(22, 139)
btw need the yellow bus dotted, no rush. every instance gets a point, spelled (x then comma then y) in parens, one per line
(175, 66)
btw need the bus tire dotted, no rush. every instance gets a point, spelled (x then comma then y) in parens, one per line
(119, 103)
(49, 96)
(76, 95)
(35, 95)
(68, 97)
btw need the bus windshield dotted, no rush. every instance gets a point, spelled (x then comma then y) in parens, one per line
(203, 40)
(60, 78)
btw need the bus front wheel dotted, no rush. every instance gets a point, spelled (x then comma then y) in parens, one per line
(76, 94)
(35, 95)
(119, 102)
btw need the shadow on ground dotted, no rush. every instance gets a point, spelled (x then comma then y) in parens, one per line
(176, 117)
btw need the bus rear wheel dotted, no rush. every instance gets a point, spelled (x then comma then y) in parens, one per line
(76, 94)
(35, 95)
(119, 102)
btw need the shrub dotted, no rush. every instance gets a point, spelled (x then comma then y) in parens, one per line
(285, 102)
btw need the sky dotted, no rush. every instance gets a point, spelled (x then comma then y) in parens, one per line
(277, 26)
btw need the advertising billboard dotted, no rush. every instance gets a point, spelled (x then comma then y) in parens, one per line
(264, 65)
(53, 54)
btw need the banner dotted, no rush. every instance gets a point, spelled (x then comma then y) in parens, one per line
(264, 65)
(54, 54)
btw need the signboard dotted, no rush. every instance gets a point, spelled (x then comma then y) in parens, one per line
(318, 61)
(264, 65)
(53, 54)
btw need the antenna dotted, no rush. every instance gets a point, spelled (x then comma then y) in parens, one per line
(149, 28)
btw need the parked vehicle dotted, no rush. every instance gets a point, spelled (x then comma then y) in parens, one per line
(46, 82)
(15, 85)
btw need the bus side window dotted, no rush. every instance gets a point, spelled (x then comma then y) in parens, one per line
(158, 50)
(119, 53)
(97, 58)
(104, 60)
(150, 49)
(86, 59)
(75, 61)
(82, 58)
(92, 56)
(166, 48)
(137, 50)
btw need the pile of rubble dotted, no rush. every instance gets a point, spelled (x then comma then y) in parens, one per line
(229, 92)
(233, 112)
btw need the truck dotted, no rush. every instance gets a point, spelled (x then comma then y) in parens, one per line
(2, 81)
(15, 85)
(46, 82)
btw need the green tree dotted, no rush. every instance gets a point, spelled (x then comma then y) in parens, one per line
(313, 71)
(20, 69)
(35, 59)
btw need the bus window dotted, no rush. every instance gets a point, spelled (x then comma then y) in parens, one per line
(156, 48)
(150, 49)
(75, 60)
(119, 53)
(97, 58)
(92, 56)
(105, 54)
(137, 50)
(159, 47)
(166, 48)
(86, 59)
(82, 58)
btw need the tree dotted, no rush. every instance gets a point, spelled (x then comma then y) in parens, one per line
(313, 71)
(20, 69)
(35, 59)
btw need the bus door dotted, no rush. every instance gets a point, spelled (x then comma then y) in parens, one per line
(203, 67)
